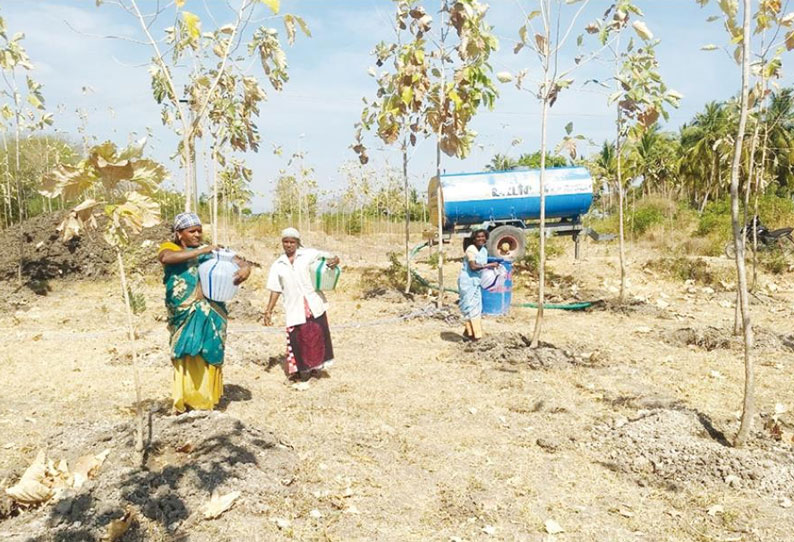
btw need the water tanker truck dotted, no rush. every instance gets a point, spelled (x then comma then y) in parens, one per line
(507, 204)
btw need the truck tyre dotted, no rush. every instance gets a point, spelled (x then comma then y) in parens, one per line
(507, 242)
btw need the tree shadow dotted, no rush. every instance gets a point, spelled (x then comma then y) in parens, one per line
(451, 337)
(275, 361)
(160, 490)
(233, 393)
(713, 432)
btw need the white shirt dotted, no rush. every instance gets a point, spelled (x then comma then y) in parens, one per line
(293, 281)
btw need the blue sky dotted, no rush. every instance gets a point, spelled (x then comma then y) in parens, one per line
(328, 77)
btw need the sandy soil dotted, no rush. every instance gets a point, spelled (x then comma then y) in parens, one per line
(618, 431)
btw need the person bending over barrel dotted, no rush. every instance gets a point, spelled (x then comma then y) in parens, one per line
(309, 348)
(475, 260)
(197, 324)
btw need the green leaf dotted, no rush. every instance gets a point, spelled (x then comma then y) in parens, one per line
(289, 26)
(34, 101)
(730, 8)
(569, 128)
(193, 24)
(790, 40)
(709, 47)
(303, 26)
(274, 5)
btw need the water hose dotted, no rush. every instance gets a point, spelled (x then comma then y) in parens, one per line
(552, 306)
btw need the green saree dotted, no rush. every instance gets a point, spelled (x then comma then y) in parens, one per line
(197, 325)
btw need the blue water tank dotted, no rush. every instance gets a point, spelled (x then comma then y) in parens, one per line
(496, 302)
(474, 198)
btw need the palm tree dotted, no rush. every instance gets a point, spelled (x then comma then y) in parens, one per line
(501, 162)
(652, 157)
(780, 139)
(707, 140)
(603, 168)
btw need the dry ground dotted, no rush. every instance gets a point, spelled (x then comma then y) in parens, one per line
(415, 436)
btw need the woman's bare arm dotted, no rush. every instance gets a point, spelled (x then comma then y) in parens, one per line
(171, 257)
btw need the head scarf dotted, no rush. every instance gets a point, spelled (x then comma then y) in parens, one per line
(186, 220)
(291, 233)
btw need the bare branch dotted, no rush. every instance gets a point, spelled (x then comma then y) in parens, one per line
(103, 37)
(575, 19)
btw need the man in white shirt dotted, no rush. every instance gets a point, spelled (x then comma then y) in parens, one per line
(309, 347)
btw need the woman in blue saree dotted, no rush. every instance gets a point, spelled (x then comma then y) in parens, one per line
(474, 260)
(197, 324)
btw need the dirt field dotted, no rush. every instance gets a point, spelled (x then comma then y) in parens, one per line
(616, 430)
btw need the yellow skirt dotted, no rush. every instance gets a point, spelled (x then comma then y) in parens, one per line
(197, 384)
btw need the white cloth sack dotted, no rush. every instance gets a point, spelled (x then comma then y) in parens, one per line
(493, 279)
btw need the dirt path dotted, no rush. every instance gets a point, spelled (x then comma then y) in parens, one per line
(413, 436)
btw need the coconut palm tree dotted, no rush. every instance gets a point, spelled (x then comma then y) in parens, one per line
(603, 168)
(780, 139)
(708, 140)
(501, 162)
(652, 156)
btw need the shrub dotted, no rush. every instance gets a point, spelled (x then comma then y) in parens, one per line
(684, 268)
(640, 217)
(775, 262)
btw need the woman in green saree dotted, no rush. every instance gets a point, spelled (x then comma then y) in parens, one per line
(197, 324)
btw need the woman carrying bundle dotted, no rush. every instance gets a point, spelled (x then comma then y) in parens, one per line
(469, 283)
(309, 348)
(197, 324)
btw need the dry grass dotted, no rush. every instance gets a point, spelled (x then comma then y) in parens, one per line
(405, 442)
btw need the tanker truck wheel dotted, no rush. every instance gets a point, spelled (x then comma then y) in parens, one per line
(507, 242)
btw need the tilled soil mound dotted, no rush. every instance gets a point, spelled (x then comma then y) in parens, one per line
(190, 457)
(45, 256)
(676, 448)
(514, 348)
(712, 338)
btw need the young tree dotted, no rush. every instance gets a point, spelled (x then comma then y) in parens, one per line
(398, 109)
(769, 14)
(127, 183)
(25, 114)
(436, 88)
(546, 45)
(202, 81)
(640, 95)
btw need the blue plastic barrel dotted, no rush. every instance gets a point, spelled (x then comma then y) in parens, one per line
(497, 302)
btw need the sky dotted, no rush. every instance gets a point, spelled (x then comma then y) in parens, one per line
(95, 78)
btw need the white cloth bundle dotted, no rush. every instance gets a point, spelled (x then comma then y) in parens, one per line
(493, 279)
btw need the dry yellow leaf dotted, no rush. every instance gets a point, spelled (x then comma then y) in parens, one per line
(118, 527)
(218, 505)
(87, 466)
(32, 488)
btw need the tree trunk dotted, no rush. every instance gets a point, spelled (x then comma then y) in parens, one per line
(133, 346)
(737, 328)
(188, 175)
(749, 376)
(758, 188)
(542, 247)
(407, 221)
(20, 214)
(621, 229)
(215, 233)
(439, 194)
